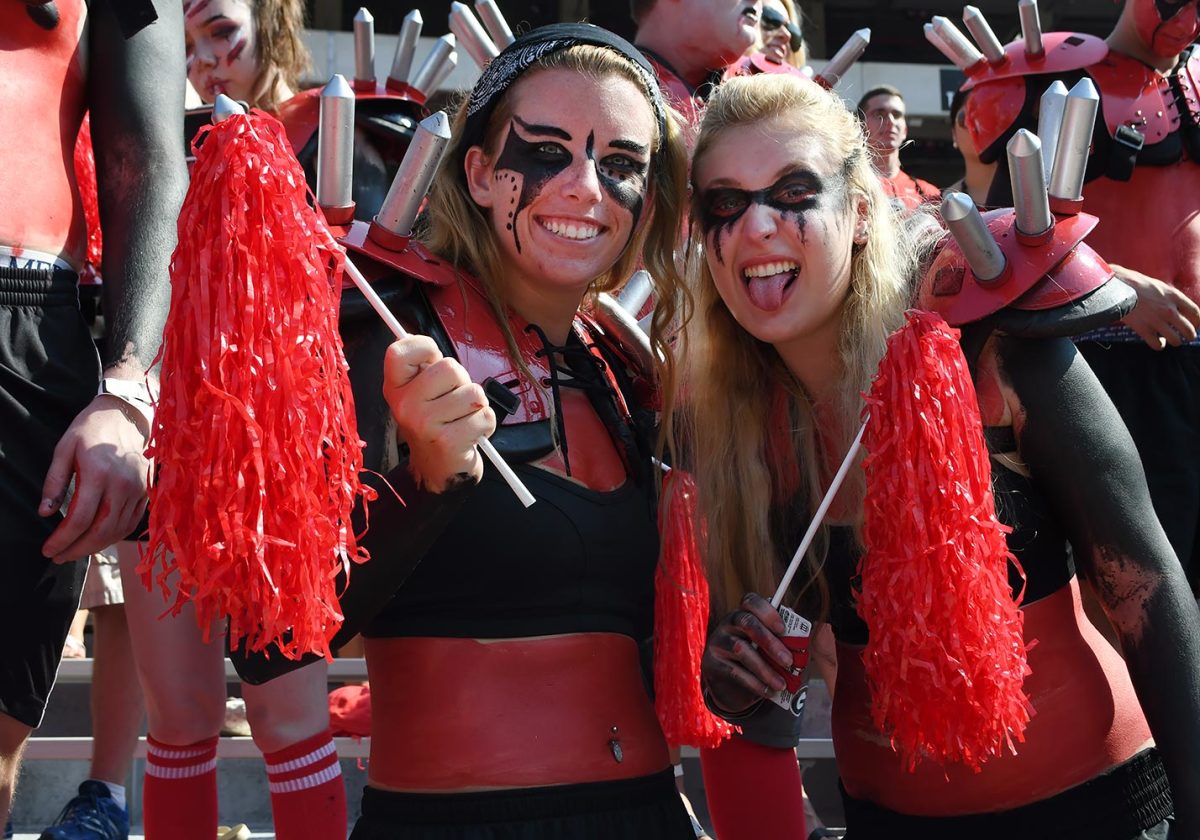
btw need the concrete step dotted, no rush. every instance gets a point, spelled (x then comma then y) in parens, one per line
(45, 786)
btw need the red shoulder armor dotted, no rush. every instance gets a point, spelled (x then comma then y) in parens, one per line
(1134, 95)
(409, 257)
(1063, 52)
(999, 90)
(758, 63)
(1069, 269)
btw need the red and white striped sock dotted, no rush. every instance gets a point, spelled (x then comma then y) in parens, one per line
(308, 796)
(179, 800)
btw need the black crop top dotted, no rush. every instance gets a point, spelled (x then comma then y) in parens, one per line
(1037, 541)
(579, 560)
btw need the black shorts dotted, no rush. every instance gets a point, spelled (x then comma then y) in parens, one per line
(1158, 396)
(49, 372)
(647, 808)
(1131, 801)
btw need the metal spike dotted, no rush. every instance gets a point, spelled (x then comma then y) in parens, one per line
(933, 38)
(494, 20)
(1074, 141)
(1031, 28)
(982, 32)
(844, 58)
(1030, 200)
(471, 36)
(415, 174)
(636, 292)
(1050, 114)
(406, 47)
(224, 107)
(431, 67)
(335, 144)
(970, 231)
(364, 47)
(443, 71)
(961, 51)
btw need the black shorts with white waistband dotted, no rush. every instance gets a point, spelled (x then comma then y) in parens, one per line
(49, 371)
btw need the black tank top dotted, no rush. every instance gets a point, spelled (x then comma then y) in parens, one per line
(1037, 541)
(578, 561)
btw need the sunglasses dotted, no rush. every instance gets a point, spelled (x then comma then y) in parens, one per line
(771, 19)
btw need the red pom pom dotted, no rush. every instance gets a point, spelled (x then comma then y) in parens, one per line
(85, 178)
(255, 442)
(681, 623)
(946, 660)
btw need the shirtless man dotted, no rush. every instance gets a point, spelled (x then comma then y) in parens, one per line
(72, 473)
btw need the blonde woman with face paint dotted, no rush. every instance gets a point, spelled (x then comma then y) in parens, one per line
(804, 276)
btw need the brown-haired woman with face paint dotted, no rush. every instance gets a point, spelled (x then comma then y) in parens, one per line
(804, 276)
(507, 692)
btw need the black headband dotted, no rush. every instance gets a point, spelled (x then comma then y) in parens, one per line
(530, 48)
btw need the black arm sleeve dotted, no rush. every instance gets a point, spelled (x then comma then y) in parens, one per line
(135, 95)
(1079, 450)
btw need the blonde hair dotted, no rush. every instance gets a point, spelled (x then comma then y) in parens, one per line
(282, 56)
(458, 229)
(762, 464)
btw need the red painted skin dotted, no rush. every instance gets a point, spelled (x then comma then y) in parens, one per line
(912, 192)
(548, 707)
(1087, 719)
(1159, 236)
(42, 95)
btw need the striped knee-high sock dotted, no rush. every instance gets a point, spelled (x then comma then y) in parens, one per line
(308, 796)
(179, 800)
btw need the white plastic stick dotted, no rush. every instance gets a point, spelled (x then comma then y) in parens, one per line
(485, 445)
(819, 516)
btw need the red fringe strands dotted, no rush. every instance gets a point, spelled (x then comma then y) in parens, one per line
(947, 660)
(85, 178)
(681, 622)
(255, 441)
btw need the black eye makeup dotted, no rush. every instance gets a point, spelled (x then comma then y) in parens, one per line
(622, 177)
(536, 161)
(793, 194)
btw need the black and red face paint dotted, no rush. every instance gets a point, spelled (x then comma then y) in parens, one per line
(795, 195)
(538, 161)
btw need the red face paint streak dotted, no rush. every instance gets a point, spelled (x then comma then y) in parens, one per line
(192, 11)
(236, 51)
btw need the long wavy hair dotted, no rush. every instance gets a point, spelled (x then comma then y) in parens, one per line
(282, 56)
(762, 457)
(457, 229)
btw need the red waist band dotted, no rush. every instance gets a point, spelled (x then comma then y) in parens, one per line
(464, 714)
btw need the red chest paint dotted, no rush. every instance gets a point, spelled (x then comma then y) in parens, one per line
(42, 75)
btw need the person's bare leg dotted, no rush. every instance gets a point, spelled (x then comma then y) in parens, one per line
(13, 735)
(117, 705)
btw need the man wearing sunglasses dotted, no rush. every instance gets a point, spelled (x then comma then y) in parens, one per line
(690, 42)
(883, 112)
